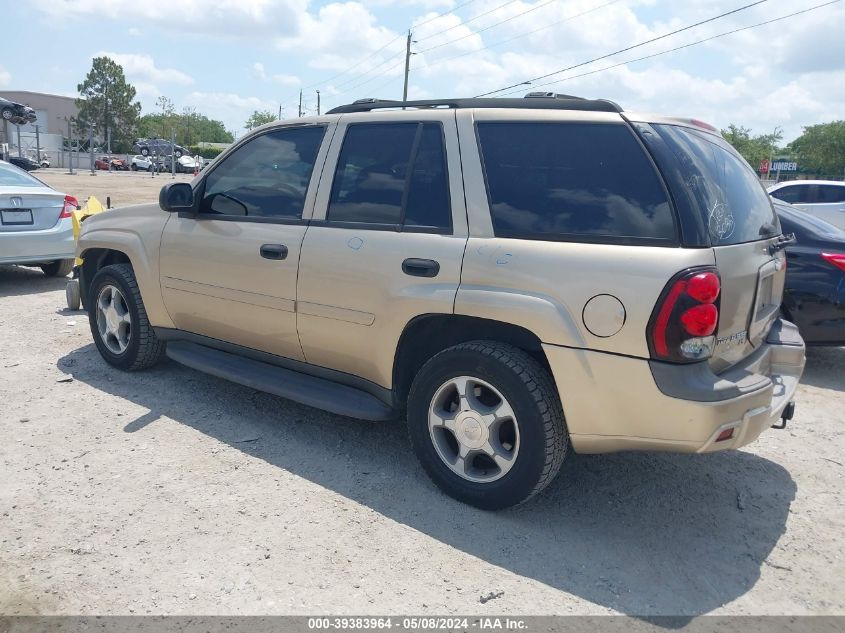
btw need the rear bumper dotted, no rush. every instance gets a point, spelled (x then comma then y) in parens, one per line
(32, 247)
(614, 403)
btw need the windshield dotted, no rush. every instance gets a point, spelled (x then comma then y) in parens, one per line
(734, 205)
(11, 176)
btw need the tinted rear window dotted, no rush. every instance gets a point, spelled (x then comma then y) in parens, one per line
(794, 194)
(831, 193)
(726, 190)
(574, 182)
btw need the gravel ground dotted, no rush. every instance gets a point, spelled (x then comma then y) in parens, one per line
(173, 492)
(123, 187)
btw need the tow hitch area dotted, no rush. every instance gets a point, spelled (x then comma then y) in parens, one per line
(788, 412)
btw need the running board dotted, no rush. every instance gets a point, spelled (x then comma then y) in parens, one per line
(302, 388)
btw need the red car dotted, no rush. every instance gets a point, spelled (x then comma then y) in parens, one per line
(117, 164)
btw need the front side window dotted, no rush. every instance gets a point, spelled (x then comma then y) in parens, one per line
(267, 177)
(392, 174)
(794, 194)
(573, 182)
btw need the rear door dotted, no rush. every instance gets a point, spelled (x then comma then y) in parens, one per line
(741, 226)
(386, 241)
(830, 204)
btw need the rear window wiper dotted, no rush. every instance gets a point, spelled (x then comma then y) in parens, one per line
(782, 243)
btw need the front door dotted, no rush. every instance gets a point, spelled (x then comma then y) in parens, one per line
(228, 269)
(386, 241)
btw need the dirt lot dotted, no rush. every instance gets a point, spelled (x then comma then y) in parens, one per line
(124, 187)
(173, 492)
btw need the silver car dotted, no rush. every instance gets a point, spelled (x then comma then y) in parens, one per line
(36, 227)
(824, 199)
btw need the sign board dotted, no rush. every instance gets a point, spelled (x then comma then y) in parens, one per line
(764, 166)
(783, 165)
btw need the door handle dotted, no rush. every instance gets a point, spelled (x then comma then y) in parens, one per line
(420, 267)
(274, 251)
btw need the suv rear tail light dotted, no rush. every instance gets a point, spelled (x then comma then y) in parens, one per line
(686, 316)
(837, 259)
(70, 205)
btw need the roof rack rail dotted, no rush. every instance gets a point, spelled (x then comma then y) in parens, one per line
(550, 95)
(533, 101)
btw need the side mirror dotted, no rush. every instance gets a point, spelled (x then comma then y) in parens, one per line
(176, 196)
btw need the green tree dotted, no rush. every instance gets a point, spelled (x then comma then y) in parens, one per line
(107, 102)
(259, 117)
(189, 128)
(821, 149)
(753, 148)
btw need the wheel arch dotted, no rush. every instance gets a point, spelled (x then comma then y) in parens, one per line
(428, 334)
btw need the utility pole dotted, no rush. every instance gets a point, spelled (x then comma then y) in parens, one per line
(407, 66)
(300, 104)
(172, 153)
(69, 146)
(91, 149)
(318, 103)
(37, 145)
(280, 112)
(20, 154)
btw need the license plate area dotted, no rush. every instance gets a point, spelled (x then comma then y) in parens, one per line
(16, 217)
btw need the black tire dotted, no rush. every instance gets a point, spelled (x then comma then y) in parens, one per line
(8, 114)
(144, 349)
(534, 399)
(178, 153)
(145, 151)
(133, 167)
(58, 268)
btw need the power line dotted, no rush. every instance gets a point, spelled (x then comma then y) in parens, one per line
(376, 52)
(465, 22)
(384, 62)
(487, 28)
(440, 15)
(622, 50)
(516, 37)
(677, 48)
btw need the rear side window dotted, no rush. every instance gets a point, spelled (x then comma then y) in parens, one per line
(573, 182)
(394, 175)
(794, 194)
(267, 177)
(831, 193)
(726, 190)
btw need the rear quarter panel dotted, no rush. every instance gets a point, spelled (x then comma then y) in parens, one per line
(544, 286)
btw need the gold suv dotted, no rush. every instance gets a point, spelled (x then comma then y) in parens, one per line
(515, 277)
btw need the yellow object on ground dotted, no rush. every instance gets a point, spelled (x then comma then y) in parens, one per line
(92, 206)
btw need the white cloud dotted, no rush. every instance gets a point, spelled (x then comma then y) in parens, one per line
(135, 32)
(230, 108)
(340, 34)
(286, 80)
(5, 77)
(142, 66)
(223, 18)
(258, 71)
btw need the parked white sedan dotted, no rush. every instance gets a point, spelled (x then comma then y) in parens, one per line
(36, 228)
(824, 199)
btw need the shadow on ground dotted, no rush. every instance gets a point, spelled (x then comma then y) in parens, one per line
(693, 531)
(825, 368)
(17, 281)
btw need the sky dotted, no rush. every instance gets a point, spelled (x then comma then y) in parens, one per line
(227, 58)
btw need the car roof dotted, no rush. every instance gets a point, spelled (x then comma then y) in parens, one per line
(532, 101)
(786, 183)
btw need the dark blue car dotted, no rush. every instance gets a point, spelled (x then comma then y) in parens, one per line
(814, 296)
